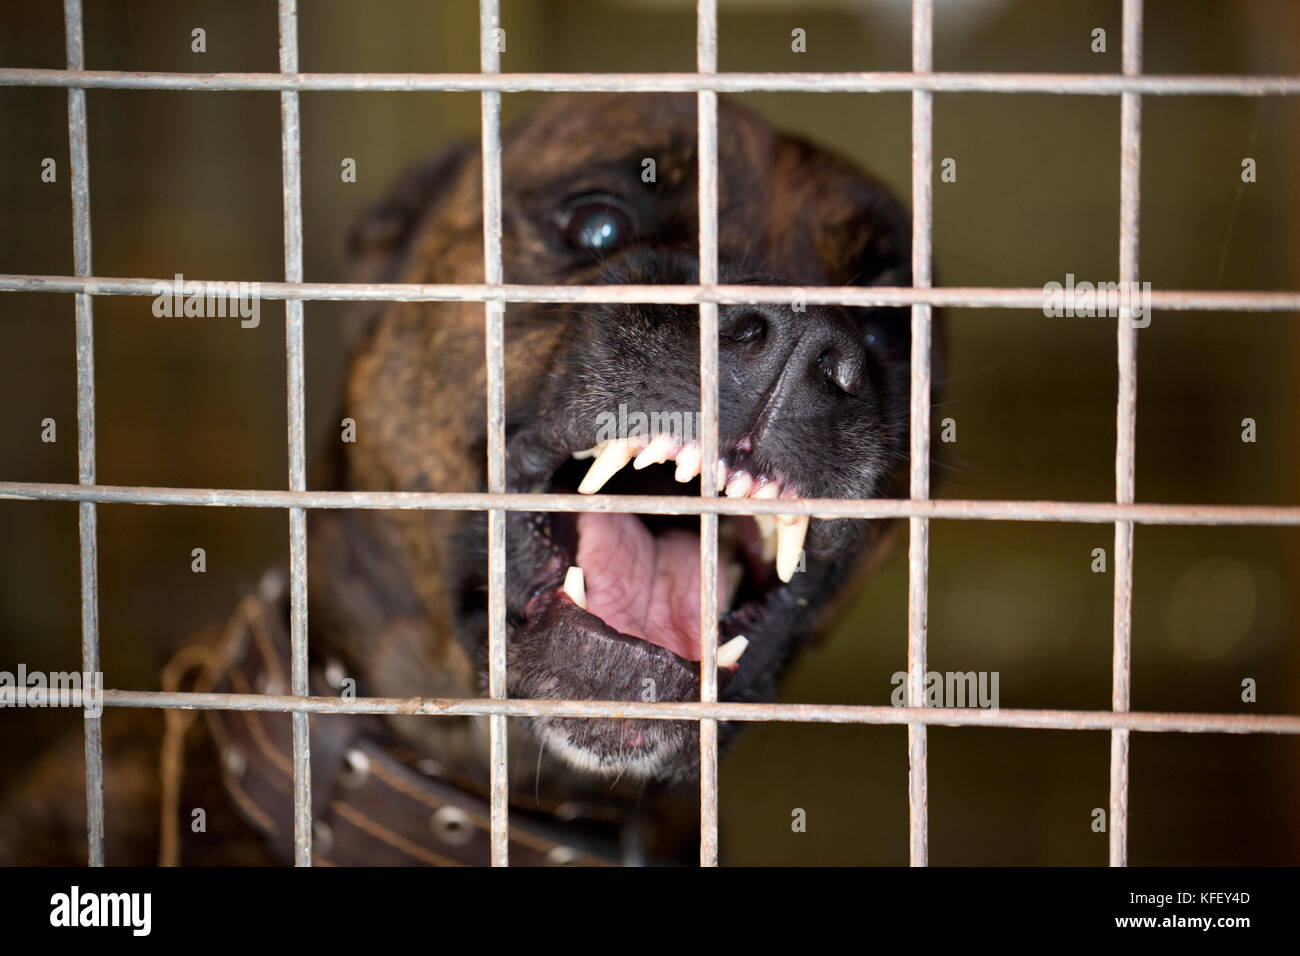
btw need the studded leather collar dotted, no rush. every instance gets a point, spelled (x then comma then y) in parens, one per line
(374, 801)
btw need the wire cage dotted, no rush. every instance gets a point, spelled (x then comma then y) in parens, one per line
(922, 82)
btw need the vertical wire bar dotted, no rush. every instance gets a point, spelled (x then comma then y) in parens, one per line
(918, 551)
(291, 151)
(1125, 428)
(707, 107)
(87, 524)
(494, 316)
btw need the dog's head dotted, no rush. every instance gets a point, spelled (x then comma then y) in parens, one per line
(602, 189)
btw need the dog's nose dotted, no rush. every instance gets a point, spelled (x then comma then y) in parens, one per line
(794, 364)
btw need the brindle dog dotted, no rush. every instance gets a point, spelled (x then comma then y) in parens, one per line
(813, 403)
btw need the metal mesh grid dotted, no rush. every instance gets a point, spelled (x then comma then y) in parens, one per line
(923, 83)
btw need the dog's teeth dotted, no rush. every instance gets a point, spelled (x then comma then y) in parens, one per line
(688, 463)
(789, 543)
(735, 571)
(767, 534)
(729, 653)
(608, 463)
(575, 586)
(587, 453)
(655, 453)
(722, 474)
(739, 486)
(768, 524)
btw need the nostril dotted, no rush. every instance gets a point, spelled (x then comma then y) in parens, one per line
(748, 329)
(845, 373)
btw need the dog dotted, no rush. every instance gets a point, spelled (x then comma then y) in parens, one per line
(813, 402)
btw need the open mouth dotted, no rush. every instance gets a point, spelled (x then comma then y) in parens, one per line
(636, 578)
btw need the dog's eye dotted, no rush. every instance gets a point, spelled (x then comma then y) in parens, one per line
(750, 328)
(596, 225)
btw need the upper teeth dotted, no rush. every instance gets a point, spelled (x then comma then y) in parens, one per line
(790, 532)
(656, 452)
(781, 537)
(609, 462)
(735, 574)
(739, 486)
(688, 463)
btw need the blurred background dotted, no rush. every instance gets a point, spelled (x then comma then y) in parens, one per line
(189, 182)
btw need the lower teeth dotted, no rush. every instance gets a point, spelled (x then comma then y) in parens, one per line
(575, 586)
(729, 653)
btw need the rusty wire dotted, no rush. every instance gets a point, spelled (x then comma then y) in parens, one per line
(921, 83)
(1164, 300)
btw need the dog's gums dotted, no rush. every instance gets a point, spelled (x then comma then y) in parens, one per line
(647, 585)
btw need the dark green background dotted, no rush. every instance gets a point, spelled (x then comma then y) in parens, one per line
(190, 183)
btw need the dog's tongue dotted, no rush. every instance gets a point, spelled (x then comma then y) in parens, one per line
(644, 585)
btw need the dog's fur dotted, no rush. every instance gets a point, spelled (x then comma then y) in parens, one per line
(818, 397)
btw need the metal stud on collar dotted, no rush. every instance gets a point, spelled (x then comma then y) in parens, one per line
(453, 825)
(356, 769)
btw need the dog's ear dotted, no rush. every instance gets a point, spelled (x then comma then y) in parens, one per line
(377, 244)
(877, 238)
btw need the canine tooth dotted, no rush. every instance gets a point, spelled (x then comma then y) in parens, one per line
(789, 542)
(767, 534)
(688, 463)
(591, 452)
(729, 653)
(608, 463)
(739, 486)
(734, 573)
(790, 519)
(655, 453)
(575, 586)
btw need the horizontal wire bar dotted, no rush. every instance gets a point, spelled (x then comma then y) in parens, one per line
(974, 297)
(1088, 84)
(1026, 719)
(1079, 512)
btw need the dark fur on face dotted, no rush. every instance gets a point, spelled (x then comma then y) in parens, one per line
(816, 399)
